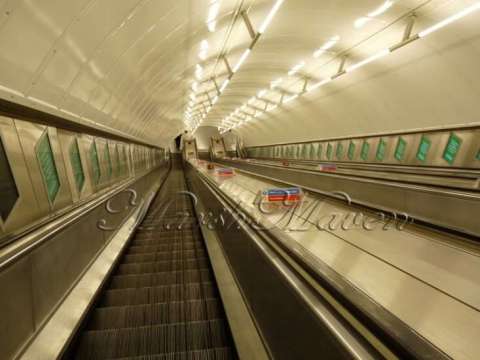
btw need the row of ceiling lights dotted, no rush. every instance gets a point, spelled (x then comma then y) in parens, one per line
(324, 48)
(211, 22)
(240, 116)
(193, 118)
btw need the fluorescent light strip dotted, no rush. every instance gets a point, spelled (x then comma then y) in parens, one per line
(224, 85)
(451, 19)
(296, 68)
(212, 15)
(270, 16)
(290, 98)
(275, 83)
(368, 60)
(241, 60)
(386, 5)
(328, 45)
(360, 22)
(246, 53)
(319, 84)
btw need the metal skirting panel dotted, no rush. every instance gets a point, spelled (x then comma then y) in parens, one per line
(450, 209)
(35, 284)
(248, 341)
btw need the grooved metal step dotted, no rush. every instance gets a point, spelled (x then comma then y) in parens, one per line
(211, 354)
(157, 339)
(158, 294)
(162, 266)
(155, 314)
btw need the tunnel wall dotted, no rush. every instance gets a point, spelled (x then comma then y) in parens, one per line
(426, 84)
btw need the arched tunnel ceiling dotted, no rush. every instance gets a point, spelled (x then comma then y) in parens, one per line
(129, 65)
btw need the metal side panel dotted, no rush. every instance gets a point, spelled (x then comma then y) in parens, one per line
(30, 136)
(68, 140)
(26, 208)
(16, 308)
(446, 208)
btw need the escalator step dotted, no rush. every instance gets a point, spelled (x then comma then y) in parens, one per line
(152, 340)
(161, 266)
(172, 238)
(174, 255)
(145, 249)
(155, 314)
(164, 278)
(211, 354)
(159, 294)
(165, 240)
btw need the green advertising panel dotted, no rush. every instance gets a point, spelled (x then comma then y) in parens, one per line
(478, 155)
(124, 161)
(312, 152)
(351, 150)
(423, 148)
(76, 163)
(452, 148)
(365, 150)
(8, 188)
(319, 151)
(381, 149)
(48, 167)
(298, 152)
(339, 151)
(108, 159)
(304, 151)
(95, 163)
(329, 151)
(400, 149)
(118, 161)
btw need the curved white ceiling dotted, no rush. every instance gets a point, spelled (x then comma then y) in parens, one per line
(129, 64)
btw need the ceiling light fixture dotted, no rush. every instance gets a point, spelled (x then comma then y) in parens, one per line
(361, 22)
(368, 60)
(381, 9)
(198, 72)
(328, 45)
(241, 60)
(203, 50)
(261, 93)
(450, 19)
(270, 16)
(224, 85)
(212, 15)
(275, 83)
(296, 68)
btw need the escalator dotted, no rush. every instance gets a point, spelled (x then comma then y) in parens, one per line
(161, 301)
